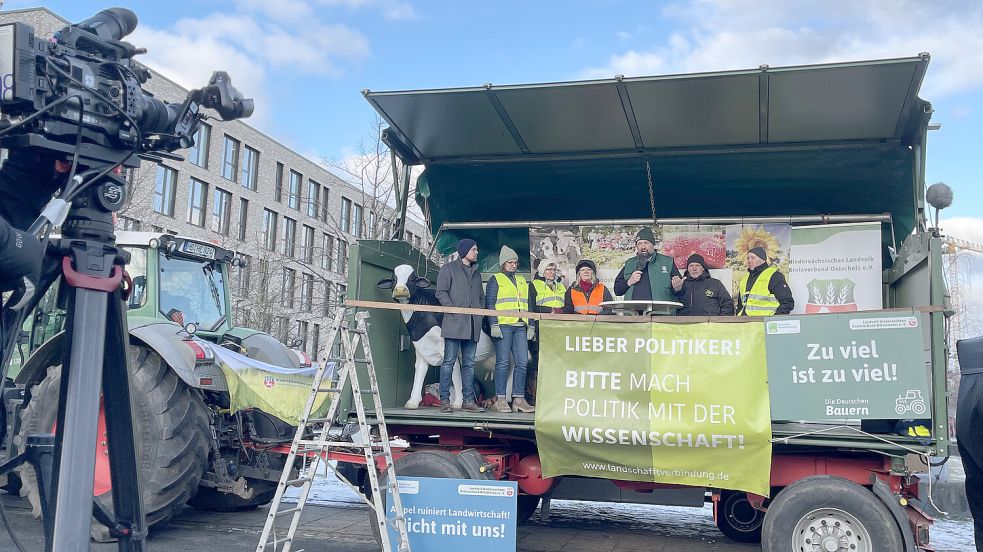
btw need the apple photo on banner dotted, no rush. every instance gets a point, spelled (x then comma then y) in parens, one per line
(681, 241)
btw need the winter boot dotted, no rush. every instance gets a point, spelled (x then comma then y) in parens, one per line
(502, 405)
(519, 404)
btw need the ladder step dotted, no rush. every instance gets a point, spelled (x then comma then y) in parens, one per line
(288, 511)
(317, 420)
(328, 390)
(292, 482)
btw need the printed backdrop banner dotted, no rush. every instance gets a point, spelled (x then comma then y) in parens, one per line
(668, 403)
(836, 268)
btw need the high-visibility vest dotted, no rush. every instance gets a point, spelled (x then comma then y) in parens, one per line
(587, 305)
(511, 297)
(758, 301)
(546, 297)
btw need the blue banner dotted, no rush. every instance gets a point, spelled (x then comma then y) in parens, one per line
(456, 514)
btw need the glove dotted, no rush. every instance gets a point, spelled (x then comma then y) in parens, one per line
(496, 332)
(20, 258)
(531, 333)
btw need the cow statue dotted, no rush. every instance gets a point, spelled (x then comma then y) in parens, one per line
(424, 330)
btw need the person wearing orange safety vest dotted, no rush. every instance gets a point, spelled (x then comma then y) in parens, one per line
(763, 290)
(508, 291)
(587, 294)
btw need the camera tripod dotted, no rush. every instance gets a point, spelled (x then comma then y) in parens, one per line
(94, 361)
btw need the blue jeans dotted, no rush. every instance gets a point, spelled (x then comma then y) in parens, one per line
(514, 344)
(467, 349)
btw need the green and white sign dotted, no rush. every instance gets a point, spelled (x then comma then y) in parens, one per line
(848, 366)
(668, 403)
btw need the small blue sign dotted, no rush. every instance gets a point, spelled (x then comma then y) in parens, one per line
(456, 514)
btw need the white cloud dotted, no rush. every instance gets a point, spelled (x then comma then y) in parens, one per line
(713, 35)
(965, 228)
(390, 9)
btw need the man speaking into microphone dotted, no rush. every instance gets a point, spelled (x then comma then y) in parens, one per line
(648, 275)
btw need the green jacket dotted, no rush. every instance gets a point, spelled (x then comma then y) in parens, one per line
(661, 268)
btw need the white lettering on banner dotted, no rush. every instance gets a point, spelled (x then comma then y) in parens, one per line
(634, 437)
(588, 379)
(652, 345)
(666, 383)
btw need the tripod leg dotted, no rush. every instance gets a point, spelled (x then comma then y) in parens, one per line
(127, 490)
(78, 414)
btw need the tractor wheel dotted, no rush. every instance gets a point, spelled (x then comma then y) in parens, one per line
(829, 514)
(171, 437)
(212, 500)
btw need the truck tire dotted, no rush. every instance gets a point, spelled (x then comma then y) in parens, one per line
(212, 500)
(737, 518)
(831, 514)
(171, 434)
(427, 463)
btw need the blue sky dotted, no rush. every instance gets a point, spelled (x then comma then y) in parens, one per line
(305, 61)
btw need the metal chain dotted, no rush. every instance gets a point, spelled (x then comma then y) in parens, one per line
(648, 174)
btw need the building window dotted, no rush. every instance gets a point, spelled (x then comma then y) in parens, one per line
(278, 188)
(313, 197)
(293, 193)
(289, 236)
(357, 221)
(302, 334)
(316, 342)
(198, 153)
(230, 158)
(346, 215)
(196, 201)
(127, 223)
(289, 286)
(244, 276)
(327, 298)
(342, 291)
(342, 256)
(327, 252)
(372, 230)
(164, 190)
(324, 204)
(250, 167)
(307, 292)
(243, 217)
(269, 230)
(282, 325)
(418, 242)
(307, 245)
(221, 211)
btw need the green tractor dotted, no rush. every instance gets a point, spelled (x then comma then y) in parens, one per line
(196, 442)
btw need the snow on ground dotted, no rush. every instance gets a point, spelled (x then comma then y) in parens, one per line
(948, 534)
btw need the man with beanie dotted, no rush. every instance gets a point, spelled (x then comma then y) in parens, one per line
(701, 294)
(508, 291)
(648, 275)
(459, 285)
(586, 294)
(763, 290)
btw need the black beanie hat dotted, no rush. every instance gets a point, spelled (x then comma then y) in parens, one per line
(464, 246)
(760, 252)
(588, 263)
(697, 258)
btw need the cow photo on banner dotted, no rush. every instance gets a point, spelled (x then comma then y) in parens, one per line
(607, 246)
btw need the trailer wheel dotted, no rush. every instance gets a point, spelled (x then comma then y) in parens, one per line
(828, 514)
(171, 435)
(737, 518)
(426, 463)
(525, 507)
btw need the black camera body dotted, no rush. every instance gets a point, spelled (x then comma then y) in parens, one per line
(84, 92)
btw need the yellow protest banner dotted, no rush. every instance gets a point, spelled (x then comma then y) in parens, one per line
(668, 403)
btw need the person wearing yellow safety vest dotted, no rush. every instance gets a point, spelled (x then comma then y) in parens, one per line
(508, 291)
(763, 290)
(545, 295)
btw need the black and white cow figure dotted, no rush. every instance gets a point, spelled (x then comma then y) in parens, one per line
(424, 329)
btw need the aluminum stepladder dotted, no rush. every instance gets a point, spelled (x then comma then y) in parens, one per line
(314, 449)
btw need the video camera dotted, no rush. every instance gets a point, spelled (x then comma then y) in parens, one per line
(80, 92)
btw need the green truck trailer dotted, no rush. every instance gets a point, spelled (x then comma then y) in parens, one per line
(796, 146)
